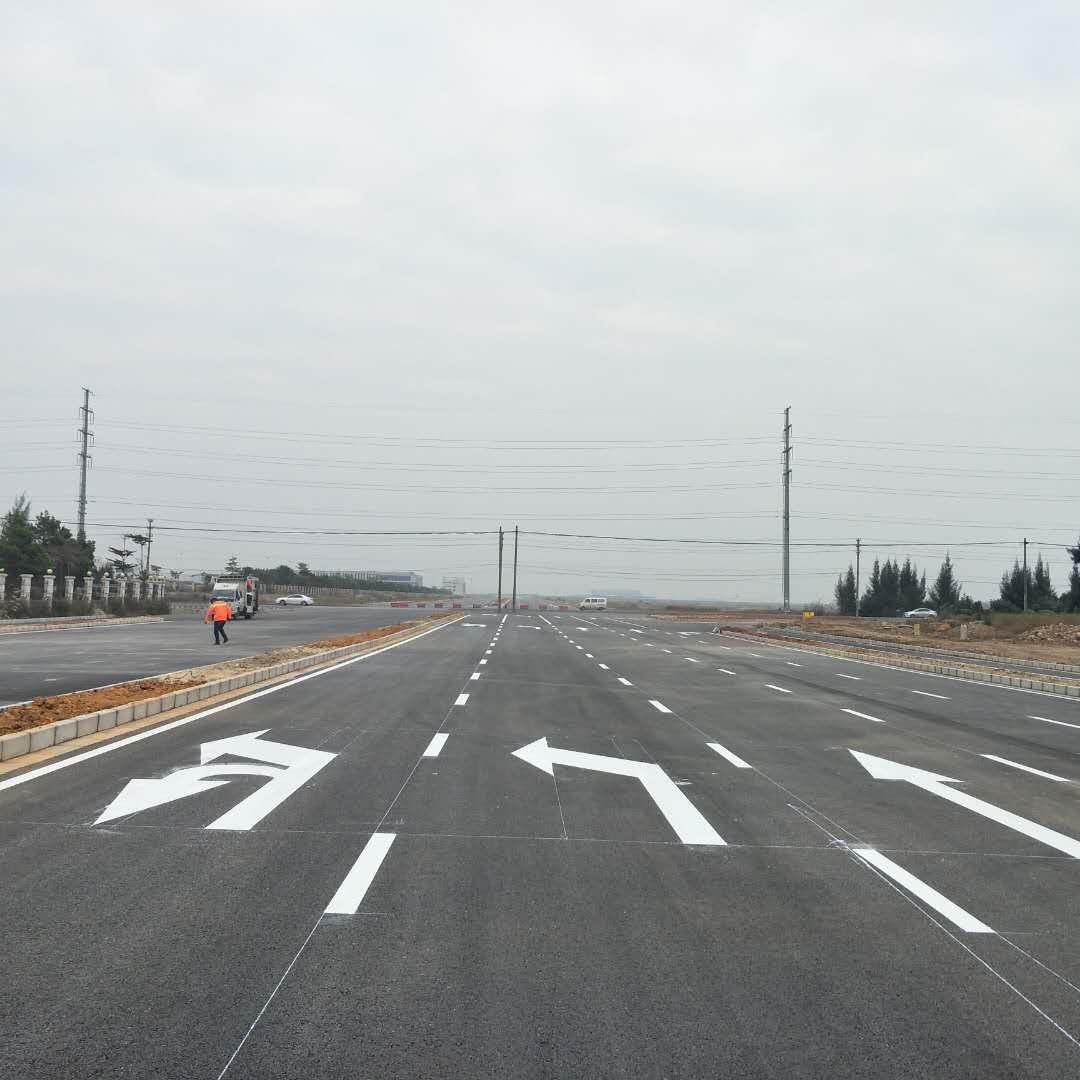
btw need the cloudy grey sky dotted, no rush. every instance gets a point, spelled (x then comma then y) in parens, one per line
(433, 266)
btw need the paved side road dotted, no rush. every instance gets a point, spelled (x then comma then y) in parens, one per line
(546, 847)
(61, 661)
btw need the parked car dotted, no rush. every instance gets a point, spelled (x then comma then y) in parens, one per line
(921, 613)
(295, 598)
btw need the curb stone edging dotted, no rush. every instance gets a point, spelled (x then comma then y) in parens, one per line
(73, 622)
(928, 666)
(19, 743)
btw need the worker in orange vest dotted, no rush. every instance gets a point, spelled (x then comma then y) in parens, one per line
(219, 613)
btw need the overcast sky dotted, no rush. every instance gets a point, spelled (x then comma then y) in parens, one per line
(450, 266)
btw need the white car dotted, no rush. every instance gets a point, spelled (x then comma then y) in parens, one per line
(295, 598)
(921, 613)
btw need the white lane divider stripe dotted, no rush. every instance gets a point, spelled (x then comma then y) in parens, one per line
(668, 651)
(483, 661)
(625, 682)
(604, 666)
(659, 706)
(1027, 768)
(474, 676)
(733, 758)
(726, 648)
(863, 716)
(351, 892)
(941, 904)
(461, 699)
(434, 748)
(725, 671)
(692, 660)
(791, 663)
(589, 655)
(841, 675)
(926, 693)
(1047, 720)
(771, 686)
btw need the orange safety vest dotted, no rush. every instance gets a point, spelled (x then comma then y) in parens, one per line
(218, 611)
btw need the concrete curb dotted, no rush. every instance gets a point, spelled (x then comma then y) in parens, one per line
(60, 731)
(928, 666)
(69, 622)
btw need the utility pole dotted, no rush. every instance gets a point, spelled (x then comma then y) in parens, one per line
(149, 540)
(1025, 576)
(858, 556)
(499, 603)
(787, 508)
(86, 415)
(513, 602)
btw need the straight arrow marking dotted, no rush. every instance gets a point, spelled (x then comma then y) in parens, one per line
(883, 769)
(688, 822)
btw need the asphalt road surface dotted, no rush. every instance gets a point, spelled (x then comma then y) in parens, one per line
(61, 661)
(569, 847)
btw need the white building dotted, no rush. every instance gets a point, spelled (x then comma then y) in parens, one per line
(456, 585)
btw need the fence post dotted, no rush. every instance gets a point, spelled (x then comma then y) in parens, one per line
(69, 587)
(106, 585)
(3, 589)
(50, 584)
(136, 588)
(24, 590)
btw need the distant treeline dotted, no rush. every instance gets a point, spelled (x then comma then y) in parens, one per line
(302, 575)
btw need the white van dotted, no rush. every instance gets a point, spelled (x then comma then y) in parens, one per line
(593, 603)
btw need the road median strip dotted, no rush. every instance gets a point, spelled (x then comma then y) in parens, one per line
(187, 689)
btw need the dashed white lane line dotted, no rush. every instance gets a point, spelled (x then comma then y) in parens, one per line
(1047, 720)
(474, 676)
(668, 651)
(726, 648)
(855, 678)
(757, 656)
(604, 666)
(771, 686)
(351, 892)
(692, 660)
(483, 661)
(487, 652)
(725, 671)
(461, 699)
(625, 682)
(791, 663)
(926, 693)
(589, 655)
(434, 748)
(733, 758)
(863, 716)
(581, 647)
(659, 706)
(650, 644)
(941, 904)
(1027, 768)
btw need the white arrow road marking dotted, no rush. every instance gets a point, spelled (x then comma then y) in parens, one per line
(883, 769)
(434, 748)
(685, 818)
(1027, 768)
(733, 758)
(351, 892)
(926, 693)
(1047, 720)
(291, 768)
(863, 716)
(941, 904)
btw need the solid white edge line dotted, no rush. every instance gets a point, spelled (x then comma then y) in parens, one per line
(863, 716)
(86, 755)
(929, 895)
(353, 889)
(434, 748)
(461, 699)
(1027, 768)
(724, 752)
(659, 705)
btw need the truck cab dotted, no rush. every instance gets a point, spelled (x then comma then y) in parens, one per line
(240, 593)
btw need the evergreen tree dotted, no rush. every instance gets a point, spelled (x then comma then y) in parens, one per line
(871, 601)
(912, 588)
(1070, 601)
(64, 552)
(846, 592)
(890, 588)
(1012, 588)
(19, 553)
(1041, 595)
(232, 566)
(303, 569)
(945, 595)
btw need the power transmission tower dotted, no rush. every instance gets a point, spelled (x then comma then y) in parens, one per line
(786, 475)
(513, 602)
(499, 602)
(86, 415)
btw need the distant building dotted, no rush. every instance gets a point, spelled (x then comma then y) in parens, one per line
(456, 585)
(391, 577)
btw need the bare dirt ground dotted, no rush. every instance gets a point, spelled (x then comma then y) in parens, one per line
(44, 710)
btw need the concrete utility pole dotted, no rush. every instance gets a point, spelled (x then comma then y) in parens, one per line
(499, 603)
(1025, 575)
(86, 415)
(149, 540)
(858, 556)
(513, 602)
(787, 508)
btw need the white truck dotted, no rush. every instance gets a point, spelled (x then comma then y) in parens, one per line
(240, 592)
